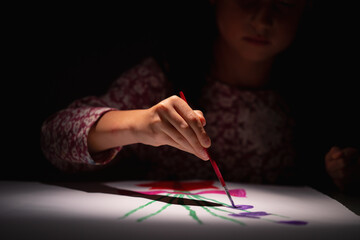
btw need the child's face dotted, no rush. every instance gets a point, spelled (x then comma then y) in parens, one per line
(258, 30)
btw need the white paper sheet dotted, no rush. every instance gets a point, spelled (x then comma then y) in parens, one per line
(193, 210)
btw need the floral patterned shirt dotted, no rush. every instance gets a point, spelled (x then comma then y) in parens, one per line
(250, 130)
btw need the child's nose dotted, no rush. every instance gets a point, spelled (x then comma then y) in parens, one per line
(263, 16)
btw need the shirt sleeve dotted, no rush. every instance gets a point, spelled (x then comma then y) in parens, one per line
(64, 134)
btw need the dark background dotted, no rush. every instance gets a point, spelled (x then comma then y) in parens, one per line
(55, 53)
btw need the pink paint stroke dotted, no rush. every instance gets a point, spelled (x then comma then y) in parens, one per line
(233, 192)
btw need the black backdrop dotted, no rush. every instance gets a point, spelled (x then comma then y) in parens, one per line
(55, 53)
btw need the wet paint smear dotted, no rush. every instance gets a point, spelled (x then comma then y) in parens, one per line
(250, 214)
(195, 190)
(216, 215)
(258, 215)
(242, 207)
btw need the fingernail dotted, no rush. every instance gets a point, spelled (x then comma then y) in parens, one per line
(203, 122)
(207, 141)
(204, 154)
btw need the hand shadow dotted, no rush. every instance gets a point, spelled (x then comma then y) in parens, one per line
(95, 187)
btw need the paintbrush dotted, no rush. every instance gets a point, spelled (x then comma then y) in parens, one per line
(214, 165)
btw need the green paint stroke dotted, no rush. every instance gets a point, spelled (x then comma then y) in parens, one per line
(213, 200)
(209, 199)
(226, 205)
(222, 210)
(159, 211)
(142, 206)
(216, 215)
(192, 213)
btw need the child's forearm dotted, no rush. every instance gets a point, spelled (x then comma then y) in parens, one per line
(114, 129)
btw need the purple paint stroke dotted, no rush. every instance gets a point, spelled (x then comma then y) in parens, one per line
(261, 214)
(242, 207)
(233, 192)
(250, 214)
(297, 223)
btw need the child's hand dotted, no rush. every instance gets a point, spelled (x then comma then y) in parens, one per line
(172, 122)
(343, 165)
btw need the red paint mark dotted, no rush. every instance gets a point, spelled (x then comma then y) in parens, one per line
(180, 186)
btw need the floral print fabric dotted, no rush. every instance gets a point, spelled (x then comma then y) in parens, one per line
(250, 130)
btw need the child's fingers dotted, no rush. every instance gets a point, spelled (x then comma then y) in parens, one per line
(351, 155)
(201, 116)
(174, 135)
(336, 168)
(340, 169)
(335, 152)
(193, 120)
(329, 155)
(186, 125)
(348, 155)
(171, 142)
(343, 165)
(338, 175)
(184, 128)
(182, 148)
(176, 139)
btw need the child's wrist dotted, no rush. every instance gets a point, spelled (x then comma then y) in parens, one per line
(138, 126)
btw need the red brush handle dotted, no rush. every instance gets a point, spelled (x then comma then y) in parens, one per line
(183, 96)
(213, 163)
(217, 171)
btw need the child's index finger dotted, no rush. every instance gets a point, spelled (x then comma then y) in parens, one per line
(197, 126)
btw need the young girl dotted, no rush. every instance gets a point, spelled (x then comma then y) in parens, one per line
(141, 130)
